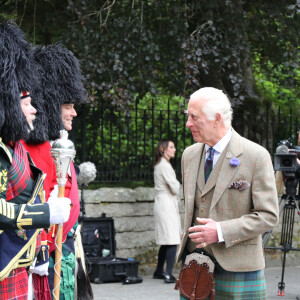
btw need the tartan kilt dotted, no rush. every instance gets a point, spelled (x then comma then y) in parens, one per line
(15, 286)
(239, 285)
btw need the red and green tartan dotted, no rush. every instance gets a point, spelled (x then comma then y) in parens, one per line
(239, 285)
(15, 286)
(18, 173)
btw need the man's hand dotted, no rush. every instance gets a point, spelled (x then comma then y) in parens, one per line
(204, 235)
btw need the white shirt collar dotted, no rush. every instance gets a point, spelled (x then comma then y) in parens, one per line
(222, 143)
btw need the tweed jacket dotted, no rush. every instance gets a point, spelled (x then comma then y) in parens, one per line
(243, 214)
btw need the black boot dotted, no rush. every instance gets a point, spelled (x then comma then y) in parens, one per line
(169, 279)
(157, 275)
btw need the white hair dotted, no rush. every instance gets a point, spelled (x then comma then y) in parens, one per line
(215, 101)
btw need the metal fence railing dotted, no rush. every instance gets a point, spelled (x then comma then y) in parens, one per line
(122, 144)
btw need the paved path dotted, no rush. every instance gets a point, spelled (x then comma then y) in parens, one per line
(156, 289)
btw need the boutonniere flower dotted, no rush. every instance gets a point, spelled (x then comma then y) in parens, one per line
(234, 162)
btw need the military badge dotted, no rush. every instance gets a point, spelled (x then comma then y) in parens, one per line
(21, 234)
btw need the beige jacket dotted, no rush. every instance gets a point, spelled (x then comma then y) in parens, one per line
(243, 215)
(166, 211)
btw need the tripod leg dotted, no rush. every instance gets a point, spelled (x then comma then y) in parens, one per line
(281, 284)
(286, 237)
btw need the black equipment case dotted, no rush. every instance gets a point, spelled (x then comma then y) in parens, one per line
(98, 239)
(110, 269)
(98, 234)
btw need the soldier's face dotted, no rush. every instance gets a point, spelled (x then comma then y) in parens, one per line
(68, 112)
(28, 110)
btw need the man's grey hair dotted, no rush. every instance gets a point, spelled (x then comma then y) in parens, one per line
(215, 102)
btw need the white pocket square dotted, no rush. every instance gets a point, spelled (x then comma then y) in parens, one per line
(240, 185)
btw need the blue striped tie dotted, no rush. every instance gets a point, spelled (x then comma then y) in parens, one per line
(209, 163)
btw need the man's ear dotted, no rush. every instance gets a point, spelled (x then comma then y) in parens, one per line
(218, 119)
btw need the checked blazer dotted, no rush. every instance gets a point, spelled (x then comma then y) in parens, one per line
(243, 214)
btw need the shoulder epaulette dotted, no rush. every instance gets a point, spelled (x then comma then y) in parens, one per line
(5, 149)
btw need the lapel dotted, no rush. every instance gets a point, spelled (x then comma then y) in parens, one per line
(200, 174)
(227, 172)
(191, 178)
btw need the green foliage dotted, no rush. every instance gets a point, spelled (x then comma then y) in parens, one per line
(141, 59)
(127, 47)
(274, 83)
(162, 101)
(44, 22)
(136, 47)
(127, 139)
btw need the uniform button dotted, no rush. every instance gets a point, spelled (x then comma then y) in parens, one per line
(202, 209)
(203, 199)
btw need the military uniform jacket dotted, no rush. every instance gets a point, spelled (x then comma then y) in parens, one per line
(20, 220)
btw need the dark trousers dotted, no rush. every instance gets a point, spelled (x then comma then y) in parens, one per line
(166, 254)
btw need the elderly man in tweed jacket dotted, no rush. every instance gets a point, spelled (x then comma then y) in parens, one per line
(230, 197)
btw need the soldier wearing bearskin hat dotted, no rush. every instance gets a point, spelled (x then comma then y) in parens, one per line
(22, 211)
(62, 88)
(39, 150)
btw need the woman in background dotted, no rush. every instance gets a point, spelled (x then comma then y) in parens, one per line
(166, 211)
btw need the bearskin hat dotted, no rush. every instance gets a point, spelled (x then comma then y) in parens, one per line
(17, 74)
(61, 83)
(40, 132)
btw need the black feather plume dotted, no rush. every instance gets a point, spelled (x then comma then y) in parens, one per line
(62, 82)
(17, 74)
(40, 132)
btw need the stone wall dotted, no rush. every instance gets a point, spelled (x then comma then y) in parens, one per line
(132, 211)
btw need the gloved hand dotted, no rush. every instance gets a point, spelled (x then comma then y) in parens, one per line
(59, 209)
(42, 270)
(54, 192)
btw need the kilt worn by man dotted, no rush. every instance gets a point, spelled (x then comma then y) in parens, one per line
(230, 198)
